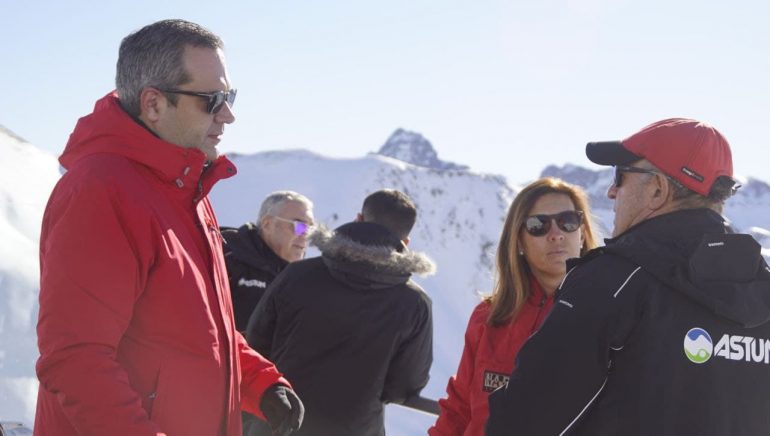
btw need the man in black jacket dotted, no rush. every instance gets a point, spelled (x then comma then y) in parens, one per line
(350, 329)
(256, 252)
(665, 330)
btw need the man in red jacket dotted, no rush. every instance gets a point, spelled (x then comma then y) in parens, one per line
(135, 331)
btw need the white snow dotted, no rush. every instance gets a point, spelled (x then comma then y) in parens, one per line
(26, 178)
(460, 217)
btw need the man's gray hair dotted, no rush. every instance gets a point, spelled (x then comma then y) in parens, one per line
(277, 198)
(723, 188)
(153, 56)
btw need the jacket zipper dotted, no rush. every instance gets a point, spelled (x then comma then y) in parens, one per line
(200, 191)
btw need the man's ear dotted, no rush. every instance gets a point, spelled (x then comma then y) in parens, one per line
(262, 224)
(152, 104)
(659, 191)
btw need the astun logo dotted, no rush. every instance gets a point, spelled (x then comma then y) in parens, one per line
(698, 345)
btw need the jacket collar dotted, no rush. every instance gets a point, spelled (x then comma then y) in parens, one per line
(666, 240)
(109, 129)
(367, 255)
(247, 246)
(536, 296)
(694, 252)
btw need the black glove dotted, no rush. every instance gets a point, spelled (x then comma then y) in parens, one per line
(282, 408)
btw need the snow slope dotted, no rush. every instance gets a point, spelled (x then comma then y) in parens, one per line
(27, 176)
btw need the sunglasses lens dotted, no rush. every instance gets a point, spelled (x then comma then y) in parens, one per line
(230, 97)
(618, 177)
(569, 221)
(217, 101)
(538, 225)
(300, 228)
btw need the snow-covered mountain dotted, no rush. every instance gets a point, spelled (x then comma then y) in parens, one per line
(460, 217)
(413, 148)
(27, 176)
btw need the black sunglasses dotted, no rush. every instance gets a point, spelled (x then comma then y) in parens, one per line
(619, 170)
(568, 221)
(216, 100)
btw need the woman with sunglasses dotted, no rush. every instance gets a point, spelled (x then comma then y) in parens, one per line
(548, 223)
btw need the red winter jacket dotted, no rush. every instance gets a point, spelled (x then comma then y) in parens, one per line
(135, 330)
(487, 363)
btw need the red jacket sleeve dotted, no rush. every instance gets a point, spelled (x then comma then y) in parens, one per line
(455, 409)
(257, 374)
(91, 275)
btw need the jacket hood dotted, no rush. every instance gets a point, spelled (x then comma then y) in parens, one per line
(247, 246)
(109, 129)
(368, 255)
(694, 252)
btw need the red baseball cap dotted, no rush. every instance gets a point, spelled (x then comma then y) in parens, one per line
(689, 151)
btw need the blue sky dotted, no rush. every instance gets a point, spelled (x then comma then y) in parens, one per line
(504, 86)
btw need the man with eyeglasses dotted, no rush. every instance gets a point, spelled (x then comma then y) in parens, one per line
(664, 331)
(350, 329)
(135, 330)
(256, 252)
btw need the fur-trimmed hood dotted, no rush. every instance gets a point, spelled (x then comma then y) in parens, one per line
(370, 252)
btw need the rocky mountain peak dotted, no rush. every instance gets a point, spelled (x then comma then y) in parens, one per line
(414, 148)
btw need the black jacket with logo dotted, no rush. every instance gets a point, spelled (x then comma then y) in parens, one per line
(349, 329)
(251, 267)
(662, 332)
